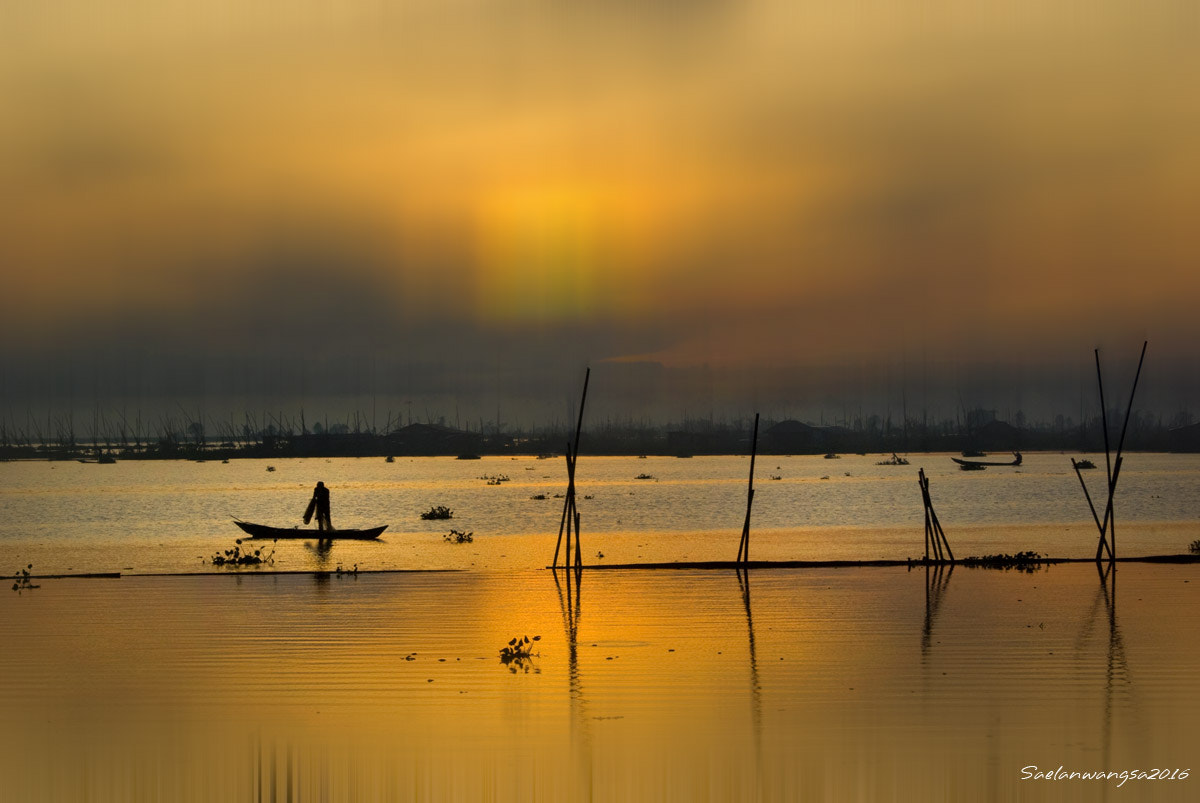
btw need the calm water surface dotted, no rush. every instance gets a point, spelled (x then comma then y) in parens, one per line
(172, 516)
(851, 684)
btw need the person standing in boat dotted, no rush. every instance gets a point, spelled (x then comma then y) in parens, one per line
(319, 504)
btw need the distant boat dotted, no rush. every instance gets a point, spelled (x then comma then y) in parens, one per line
(832, 456)
(973, 453)
(980, 463)
(264, 531)
(468, 456)
(104, 459)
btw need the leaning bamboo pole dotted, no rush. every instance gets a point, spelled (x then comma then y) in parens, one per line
(935, 536)
(744, 546)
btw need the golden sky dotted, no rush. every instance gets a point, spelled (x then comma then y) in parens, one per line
(722, 183)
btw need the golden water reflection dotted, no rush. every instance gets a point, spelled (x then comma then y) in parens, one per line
(871, 684)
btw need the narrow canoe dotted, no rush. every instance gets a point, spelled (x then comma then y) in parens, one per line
(1015, 462)
(264, 531)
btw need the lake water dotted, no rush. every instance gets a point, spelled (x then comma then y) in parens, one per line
(871, 683)
(172, 516)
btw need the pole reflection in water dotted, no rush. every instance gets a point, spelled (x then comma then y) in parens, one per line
(937, 580)
(1116, 671)
(743, 576)
(581, 737)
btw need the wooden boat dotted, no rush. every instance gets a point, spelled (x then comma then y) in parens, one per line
(981, 463)
(265, 531)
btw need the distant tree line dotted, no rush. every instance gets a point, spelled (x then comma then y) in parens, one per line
(277, 436)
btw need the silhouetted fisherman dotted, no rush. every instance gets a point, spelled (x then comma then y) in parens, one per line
(320, 505)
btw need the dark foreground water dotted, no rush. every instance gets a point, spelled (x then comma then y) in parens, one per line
(853, 684)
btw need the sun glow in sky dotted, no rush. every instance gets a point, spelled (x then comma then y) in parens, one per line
(716, 183)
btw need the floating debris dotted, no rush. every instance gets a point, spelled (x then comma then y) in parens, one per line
(439, 512)
(644, 477)
(894, 460)
(457, 537)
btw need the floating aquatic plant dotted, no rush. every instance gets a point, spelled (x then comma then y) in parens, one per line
(1027, 561)
(243, 557)
(439, 512)
(1194, 546)
(644, 477)
(518, 653)
(495, 479)
(23, 582)
(456, 537)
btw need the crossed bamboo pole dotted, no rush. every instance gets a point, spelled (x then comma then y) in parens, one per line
(935, 536)
(1107, 526)
(570, 514)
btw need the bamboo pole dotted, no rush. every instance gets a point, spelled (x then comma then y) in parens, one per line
(1103, 419)
(563, 523)
(744, 544)
(1108, 536)
(934, 534)
(1112, 523)
(570, 515)
(1099, 527)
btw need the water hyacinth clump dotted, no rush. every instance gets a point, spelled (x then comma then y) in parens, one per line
(439, 512)
(242, 557)
(518, 653)
(456, 537)
(23, 582)
(1027, 561)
